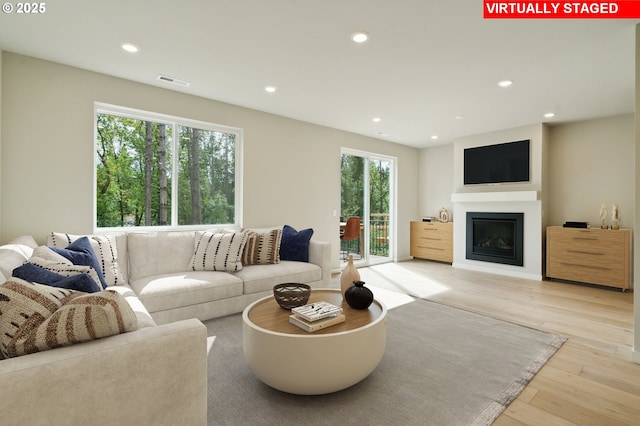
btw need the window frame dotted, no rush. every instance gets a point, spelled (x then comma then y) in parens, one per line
(174, 122)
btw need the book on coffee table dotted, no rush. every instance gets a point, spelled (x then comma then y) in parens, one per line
(312, 326)
(316, 311)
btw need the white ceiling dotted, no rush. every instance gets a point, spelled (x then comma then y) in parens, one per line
(426, 61)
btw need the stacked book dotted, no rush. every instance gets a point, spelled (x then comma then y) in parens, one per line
(569, 224)
(316, 316)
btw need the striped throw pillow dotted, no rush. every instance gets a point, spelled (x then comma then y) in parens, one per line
(35, 317)
(262, 247)
(104, 247)
(218, 252)
(45, 258)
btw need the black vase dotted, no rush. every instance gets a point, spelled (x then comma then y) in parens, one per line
(358, 296)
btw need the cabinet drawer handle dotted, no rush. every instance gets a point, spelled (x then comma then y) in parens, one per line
(430, 248)
(431, 238)
(595, 253)
(585, 238)
(600, 268)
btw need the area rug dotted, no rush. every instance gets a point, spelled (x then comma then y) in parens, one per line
(442, 366)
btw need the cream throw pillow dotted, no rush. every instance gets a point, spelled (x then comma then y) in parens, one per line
(218, 251)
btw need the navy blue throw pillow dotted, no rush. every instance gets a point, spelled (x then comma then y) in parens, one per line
(80, 253)
(34, 273)
(295, 244)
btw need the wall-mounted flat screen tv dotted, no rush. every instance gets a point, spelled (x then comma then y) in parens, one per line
(500, 163)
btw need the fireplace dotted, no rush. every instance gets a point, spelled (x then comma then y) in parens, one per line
(495, 237)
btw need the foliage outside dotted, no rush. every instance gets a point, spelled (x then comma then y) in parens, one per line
(135, 176)
(352, 197)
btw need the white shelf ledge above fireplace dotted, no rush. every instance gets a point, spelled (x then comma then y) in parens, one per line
(506, 196)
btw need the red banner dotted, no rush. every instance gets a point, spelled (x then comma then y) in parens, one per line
(624, 9)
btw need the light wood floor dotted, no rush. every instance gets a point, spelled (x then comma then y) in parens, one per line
(589, 381)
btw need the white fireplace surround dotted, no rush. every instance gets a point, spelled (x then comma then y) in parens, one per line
(527, 202)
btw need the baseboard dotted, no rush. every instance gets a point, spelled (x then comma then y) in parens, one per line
(635, 356)
(509, 273)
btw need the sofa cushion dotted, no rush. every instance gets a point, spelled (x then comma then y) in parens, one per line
(259, 278)
(295, 244)
(159, 252)
(80, 252)
(262, 247)
(218, 252)
(106, 249)
(169, 291)
(15, 253)
(37, 317)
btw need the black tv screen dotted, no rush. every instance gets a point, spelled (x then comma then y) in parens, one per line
(500, 163)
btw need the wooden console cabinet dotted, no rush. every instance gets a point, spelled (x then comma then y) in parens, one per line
(432, 240)
(594, 256)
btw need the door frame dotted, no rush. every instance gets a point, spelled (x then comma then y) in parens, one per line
(393, 190)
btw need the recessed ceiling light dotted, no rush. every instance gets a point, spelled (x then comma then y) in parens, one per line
(270, 89)
(360, 37)
(376, 119)
(459, 117)
(505, 83)
(434, 137)
(549, 114)
(129, 47)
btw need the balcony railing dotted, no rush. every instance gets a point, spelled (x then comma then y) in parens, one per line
(379, 234)
(378, 237)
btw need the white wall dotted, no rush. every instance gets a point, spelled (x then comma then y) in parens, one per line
(590, 163)
(291, 168)
(436, 180)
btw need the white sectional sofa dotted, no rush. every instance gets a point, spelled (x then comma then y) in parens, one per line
(158, 275)
(158, 373)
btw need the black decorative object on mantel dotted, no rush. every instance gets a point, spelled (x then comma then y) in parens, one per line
(358, 296)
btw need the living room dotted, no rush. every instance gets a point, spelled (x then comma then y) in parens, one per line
(291, 168)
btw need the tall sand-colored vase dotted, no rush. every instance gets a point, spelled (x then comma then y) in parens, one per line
(349, 275)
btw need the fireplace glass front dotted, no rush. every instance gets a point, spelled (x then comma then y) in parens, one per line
(495, 237)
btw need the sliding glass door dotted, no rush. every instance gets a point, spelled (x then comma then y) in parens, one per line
(367, 194)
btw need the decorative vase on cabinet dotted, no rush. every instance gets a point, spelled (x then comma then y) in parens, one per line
(358, 296)
(349, 275)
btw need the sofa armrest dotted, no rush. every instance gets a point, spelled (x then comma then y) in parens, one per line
(155, 375)
(320, 254)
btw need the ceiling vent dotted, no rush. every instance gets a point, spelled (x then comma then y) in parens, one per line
(173, 80)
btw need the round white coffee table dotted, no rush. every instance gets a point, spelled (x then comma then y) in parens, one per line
(292, 360)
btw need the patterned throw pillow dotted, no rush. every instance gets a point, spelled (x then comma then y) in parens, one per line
(36, 274)
(218, 252)
(262, 247)
(80, 252)
(36, 317)
(61, 266)
(104, 247)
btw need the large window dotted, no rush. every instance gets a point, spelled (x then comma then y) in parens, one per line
(153, 170)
